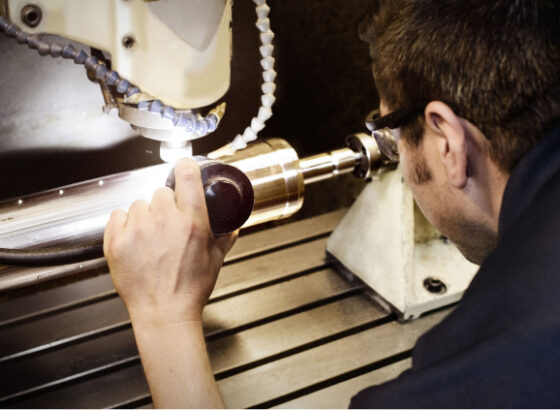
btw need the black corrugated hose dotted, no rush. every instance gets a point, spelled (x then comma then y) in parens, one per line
(52, 256)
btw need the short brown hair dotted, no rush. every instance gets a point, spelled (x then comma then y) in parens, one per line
(496, 63)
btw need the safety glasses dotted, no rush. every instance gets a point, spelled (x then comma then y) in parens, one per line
(385, 129)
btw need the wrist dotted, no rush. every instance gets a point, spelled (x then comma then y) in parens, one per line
(157, 316)
(150, 332)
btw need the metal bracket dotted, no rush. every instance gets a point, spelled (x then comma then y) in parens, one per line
(386, 241)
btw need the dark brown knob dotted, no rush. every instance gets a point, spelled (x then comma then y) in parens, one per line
(228, 192)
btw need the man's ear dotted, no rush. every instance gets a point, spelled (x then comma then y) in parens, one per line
(451, 140)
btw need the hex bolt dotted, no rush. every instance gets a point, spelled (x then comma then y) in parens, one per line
(128, 41)
(31, 15)
(434, 285)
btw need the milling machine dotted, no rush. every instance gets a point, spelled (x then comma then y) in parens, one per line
(158, 65)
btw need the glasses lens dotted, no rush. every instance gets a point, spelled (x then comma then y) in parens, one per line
(387, 142)
(370, 119)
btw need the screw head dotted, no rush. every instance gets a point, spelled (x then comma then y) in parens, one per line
(434, 285)
(31, 15)
(128, 41)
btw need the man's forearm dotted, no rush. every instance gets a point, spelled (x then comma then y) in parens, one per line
(176, 364)
(164, 262)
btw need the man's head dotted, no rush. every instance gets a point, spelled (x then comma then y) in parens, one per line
(485, 78)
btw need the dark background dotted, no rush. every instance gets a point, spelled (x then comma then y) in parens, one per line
(324, 84)
(324, 91)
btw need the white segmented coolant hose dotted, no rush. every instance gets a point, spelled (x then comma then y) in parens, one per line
(269, 76)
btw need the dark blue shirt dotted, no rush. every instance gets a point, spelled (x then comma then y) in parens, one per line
(501, 346)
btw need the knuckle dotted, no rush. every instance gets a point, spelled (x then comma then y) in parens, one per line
(196, 229)
(163, 198)
(114, 226)
(137, 231)
(160, 219)
(187, 169)
(116, 213)
(113, 247)
(183, 224)
(162, 192)
(116, 218)
(138, 204)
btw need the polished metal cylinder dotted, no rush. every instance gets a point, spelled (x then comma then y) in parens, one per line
(79, 212)
(328, 165)
(273, 168)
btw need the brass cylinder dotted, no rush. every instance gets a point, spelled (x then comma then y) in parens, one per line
(273, 168)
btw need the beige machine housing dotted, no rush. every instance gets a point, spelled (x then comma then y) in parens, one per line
(176, 50)
(386, 241)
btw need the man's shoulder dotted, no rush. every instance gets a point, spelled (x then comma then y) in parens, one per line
(505, 330)
(515, 369)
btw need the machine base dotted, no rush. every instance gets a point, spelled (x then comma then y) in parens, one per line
(386, 241)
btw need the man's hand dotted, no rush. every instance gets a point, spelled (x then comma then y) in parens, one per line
(163, 256)
(164, 261)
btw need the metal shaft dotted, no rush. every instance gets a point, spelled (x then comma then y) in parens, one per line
(79, 212)
(328, 165)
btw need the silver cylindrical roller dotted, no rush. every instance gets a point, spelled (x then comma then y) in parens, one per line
(79, 212)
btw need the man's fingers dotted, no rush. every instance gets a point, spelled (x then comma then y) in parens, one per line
(163, 199)
(226, 242)
(189, 193)
(116, 223)
(138, 209)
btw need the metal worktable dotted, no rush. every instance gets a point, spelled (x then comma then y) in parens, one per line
(283, 329)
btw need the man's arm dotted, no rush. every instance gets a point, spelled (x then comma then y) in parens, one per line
(176, 365)
(164, 261)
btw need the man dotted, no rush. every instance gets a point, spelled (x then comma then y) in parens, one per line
(474, 86)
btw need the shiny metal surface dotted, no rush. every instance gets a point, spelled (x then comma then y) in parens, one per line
(75, 212)
(372, 160)
(324, 166)
(362, 157)
(14, 277)
(79, 212)
(273, 168)
(154, 126)
(387, 141)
